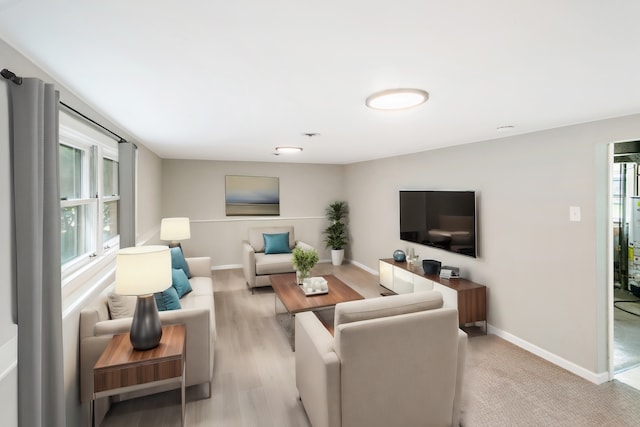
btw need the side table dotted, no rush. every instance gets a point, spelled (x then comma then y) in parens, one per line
(121, 369)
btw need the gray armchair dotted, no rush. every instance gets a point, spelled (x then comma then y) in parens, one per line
(257, 265)
(394, 361)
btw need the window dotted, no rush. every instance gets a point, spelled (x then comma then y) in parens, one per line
(110, 199)
(75, 205)
(89, 192)
(623, 187)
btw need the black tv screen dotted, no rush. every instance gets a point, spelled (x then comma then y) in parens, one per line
(440, 219)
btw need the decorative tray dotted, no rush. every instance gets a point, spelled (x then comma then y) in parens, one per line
(314, 286)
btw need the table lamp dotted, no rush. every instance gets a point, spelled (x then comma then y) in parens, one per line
(174, 229)
(141, 271)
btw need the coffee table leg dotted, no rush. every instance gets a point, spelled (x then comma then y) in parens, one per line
(292, 331)
(285, 319)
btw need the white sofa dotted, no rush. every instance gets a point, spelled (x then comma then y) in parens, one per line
(394, 361)
(258, 266)
(197, 313)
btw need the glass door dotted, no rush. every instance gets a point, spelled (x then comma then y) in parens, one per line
(626, 292)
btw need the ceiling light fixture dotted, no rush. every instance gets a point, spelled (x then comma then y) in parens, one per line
(504, 128)
(397, 99)
(288, 149)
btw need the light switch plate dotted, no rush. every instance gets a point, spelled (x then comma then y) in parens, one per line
(574, 213)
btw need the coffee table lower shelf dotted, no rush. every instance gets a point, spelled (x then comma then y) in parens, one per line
(290, 300)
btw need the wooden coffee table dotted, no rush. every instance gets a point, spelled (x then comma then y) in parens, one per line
(289, 294)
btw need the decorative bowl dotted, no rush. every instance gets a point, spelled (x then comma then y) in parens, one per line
(399, 256)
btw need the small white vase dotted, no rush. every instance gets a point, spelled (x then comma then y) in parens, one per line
(337, 256)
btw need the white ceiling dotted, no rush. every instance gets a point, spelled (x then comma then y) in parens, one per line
(231, 80)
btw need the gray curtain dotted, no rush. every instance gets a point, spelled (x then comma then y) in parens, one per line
(36, 202)
(127, 152)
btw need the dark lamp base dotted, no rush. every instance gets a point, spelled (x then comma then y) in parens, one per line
(146, 329)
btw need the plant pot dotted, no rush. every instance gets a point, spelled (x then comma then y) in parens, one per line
(337, 256)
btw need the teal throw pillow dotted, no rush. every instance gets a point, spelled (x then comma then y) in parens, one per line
(178, 261)
(276, 243)
(167, 299)
(180, 282)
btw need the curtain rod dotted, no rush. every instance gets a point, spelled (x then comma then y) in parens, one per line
(89, 119)
(9, 75)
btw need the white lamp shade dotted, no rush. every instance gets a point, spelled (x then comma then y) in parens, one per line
(175, 229)
(143, 270)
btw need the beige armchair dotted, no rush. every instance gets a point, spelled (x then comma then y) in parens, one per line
(394, 361)
(257, 265)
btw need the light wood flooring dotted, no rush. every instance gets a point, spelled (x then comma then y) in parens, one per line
(254, 384)
(253, 379)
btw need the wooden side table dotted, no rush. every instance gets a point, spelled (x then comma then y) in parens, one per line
(121, 369)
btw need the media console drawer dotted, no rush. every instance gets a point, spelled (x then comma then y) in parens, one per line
(468, 297)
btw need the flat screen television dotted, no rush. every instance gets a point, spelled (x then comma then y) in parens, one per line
(440, 219)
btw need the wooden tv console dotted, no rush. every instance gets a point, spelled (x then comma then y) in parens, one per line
(468, 297)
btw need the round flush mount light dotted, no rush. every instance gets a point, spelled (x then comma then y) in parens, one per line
(505, 128)
(288, 149)
(397, 99)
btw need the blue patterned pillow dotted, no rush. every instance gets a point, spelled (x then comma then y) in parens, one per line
(178, 261)
(276, 243)
(167, 299)
(180, 282)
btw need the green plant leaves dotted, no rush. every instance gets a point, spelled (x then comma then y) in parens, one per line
(336, 232)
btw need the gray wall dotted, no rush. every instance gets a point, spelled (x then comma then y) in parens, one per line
(546, 276)
(547, 288)
(148, 196)
(148, 224)
(196, 189)
(8, 331)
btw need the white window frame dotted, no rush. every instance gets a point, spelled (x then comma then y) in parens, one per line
(92, 176)
(110, 153)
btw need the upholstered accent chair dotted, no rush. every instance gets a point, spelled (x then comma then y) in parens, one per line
(259, 260)
(394, 361)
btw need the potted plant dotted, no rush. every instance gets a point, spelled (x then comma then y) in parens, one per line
(303, 262)
(336, 232)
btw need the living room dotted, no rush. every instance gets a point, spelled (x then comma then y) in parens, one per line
(547, 277)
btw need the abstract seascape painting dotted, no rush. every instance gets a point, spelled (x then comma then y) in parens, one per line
(252, 195)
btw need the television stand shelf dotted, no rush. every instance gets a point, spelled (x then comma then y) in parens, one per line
(468, 297)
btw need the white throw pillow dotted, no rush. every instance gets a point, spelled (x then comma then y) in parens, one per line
(121, 305)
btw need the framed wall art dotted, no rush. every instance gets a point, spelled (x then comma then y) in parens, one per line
(252, 195)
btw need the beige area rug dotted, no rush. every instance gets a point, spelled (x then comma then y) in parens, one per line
(508, 386)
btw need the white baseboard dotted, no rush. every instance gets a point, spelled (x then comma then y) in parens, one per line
(364, 267)
(596, 378)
